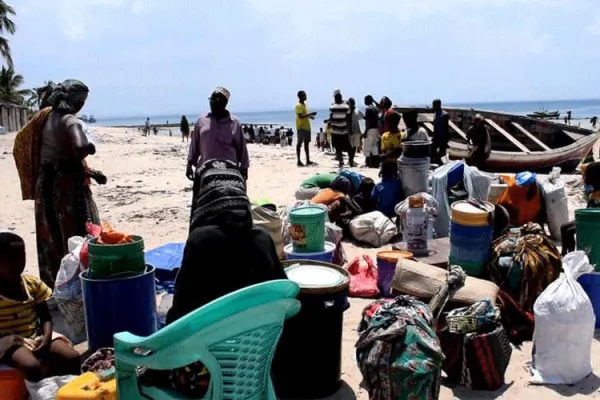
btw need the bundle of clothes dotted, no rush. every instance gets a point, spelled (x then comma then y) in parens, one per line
(361, 208)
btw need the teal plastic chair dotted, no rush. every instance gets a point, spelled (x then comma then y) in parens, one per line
(234, 336)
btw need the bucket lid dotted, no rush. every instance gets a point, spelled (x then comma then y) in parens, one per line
(329, 247)
(314, 276)
(466, 207)
(308, 211)
(525, 178)
(394, 255)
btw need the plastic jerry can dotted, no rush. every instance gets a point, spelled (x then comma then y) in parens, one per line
(88, 387)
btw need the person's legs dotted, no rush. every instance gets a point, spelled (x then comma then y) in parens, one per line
(351, 153)
(302, 138)
(306, 151)
(63, 359)
(24, 360)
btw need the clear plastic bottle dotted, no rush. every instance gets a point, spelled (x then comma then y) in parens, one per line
(415, 226)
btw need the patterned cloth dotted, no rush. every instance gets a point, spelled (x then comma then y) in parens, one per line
(219, 196)
(27, 150)
(531, 252)
(62, 208)
(398, 352)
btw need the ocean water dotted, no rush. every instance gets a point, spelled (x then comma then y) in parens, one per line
(581, 109)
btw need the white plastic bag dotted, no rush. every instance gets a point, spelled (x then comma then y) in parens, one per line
(477, 185)
(67, 284)
(555, 202)
(373, 228)
(46, 389)
(564, 327)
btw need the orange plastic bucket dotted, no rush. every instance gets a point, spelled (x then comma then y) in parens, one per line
(12, 384)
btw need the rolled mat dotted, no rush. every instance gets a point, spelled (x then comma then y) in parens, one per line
(423, 280)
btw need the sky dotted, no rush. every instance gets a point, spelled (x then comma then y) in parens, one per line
(157, 57)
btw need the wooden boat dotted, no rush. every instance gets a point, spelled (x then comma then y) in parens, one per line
(545, 114)
(519, 143)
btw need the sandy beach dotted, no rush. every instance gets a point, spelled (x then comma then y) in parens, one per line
(148, 194)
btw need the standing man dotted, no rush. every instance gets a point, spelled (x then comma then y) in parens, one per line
(441, 132)
(479, 140)
(339, 113)
(355, 133)
(303, 118)
(218, 134)
(147, 127)
(371, 143)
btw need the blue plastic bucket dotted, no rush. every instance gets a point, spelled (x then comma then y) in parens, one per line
(125, 303)
(470, 243)
(591, 285)
(325, 255)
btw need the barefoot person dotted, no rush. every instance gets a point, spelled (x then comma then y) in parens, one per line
(371, 142)
(339, 113)
(25, 322)
(49, 154)
(354, 130)
(303, 118)
(184, 128)
(218, 134)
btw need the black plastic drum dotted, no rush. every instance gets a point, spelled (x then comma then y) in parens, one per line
(308, 360)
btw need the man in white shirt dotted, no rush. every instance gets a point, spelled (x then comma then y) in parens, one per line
(414, 132)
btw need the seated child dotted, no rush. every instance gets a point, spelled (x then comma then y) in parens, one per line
(391, 141)
(591, 179)
(27, 342)
(388, 193)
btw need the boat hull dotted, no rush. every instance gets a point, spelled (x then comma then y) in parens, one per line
(568, 158)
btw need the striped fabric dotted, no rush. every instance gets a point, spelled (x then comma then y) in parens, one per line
(19, 317)
(339, 118)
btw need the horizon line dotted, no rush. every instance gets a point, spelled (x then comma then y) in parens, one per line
(412, 104)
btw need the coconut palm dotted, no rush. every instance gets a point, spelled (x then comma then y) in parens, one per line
(9, 86)
(8, 26)
(43, 91)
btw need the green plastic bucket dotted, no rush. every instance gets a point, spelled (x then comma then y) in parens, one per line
(474, 269)
(587, 221)
(307, 229)
(107, 260)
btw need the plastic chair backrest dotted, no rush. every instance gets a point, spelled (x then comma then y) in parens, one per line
(234, 337)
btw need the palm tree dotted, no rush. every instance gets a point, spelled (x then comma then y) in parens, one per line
(9, 86)
(42, 92)
(6, 25)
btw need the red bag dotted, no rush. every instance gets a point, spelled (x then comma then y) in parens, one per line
(363, 277)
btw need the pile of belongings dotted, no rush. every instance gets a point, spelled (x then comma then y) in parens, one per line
(524, 263)
(398, 352)
(476, 346)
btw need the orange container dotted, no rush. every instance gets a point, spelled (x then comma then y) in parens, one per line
(394, 255)
(12, 384)
(88, 387)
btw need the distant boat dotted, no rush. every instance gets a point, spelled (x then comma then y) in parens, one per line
(84, 118)
(518, 143)
(545, 114)
(91, 119)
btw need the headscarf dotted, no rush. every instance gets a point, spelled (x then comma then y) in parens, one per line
(66, 95)
(220, 197)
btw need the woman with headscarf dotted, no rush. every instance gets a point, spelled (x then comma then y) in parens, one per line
(224, 253)
(50, 154)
